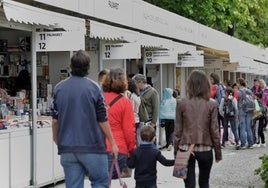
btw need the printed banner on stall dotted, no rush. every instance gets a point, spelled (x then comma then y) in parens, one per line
(121, 51)
(226, 66)
(191, 60)
(59, 41)
(159, 57)
(213, 63)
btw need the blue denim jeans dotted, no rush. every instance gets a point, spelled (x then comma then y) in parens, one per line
(245, 120)
(75, 166)
(233, 128)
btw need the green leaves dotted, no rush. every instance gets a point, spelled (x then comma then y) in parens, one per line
(249, 17)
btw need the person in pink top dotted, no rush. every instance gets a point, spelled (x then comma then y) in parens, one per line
(120, 116)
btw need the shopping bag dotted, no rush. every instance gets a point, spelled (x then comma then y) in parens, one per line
(116, 166)
(181, 163)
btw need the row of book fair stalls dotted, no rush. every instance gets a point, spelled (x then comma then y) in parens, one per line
(43, 41)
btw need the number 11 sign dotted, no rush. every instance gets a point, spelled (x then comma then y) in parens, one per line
(59, 41)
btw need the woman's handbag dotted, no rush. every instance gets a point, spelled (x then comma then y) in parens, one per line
(258, 111)
(181, 163)
(116, 166)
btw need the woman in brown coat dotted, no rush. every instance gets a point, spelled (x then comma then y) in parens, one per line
(196, 123)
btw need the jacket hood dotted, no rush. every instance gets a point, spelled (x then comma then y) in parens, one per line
(167, 93)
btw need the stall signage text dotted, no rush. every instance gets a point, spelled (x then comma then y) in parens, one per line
(160, 57)
(121, 51)
(59, 41)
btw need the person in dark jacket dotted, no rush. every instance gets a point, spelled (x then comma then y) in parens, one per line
(80, 125)
(144, 159)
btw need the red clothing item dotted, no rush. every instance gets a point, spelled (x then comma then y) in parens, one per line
(121, 119)
(213, 91)
(236, 95)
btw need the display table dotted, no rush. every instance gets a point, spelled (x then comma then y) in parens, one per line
(4, 158)
(16, 150)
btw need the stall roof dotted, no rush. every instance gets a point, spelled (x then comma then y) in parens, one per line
(27, 14)
(221, 54)
(104, 31)
(155, 42)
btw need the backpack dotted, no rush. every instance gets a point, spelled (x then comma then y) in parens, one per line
(264, 98)
(220, 92)
(248, 103)
(228, 108)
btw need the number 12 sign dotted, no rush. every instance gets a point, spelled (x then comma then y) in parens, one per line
(59, 41)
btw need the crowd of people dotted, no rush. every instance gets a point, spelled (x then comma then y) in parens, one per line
(119, 116)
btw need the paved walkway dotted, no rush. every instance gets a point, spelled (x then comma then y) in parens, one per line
(236, 170)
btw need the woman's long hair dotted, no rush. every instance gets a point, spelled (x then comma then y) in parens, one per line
(198, 85)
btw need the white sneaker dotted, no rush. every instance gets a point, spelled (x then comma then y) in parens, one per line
(256, 145)
(263, 145)
(169, 148)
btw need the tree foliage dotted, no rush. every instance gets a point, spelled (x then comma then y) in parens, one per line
(245, 19)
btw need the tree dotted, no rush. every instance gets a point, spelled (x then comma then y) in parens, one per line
(245, 19)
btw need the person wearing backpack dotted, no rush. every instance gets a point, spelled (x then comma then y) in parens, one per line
(229, 112)
(217, 93)
(245, 113)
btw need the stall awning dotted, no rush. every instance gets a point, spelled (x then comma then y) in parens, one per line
(220, 54)
(155, 42)
(108, 32)
(27, 14)
(181, 48)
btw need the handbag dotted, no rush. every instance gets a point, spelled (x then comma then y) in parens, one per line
(181, 163)
(258, 111)
(116, 166)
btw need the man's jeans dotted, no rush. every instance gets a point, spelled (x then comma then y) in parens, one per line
(75, 166)
(233, 128)
(245, 120)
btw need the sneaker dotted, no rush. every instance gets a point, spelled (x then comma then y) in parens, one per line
(243, 147)
(237, 147)
(169, 148)
(222, 146)
(256, 145)
(250, 147)
(263, 145)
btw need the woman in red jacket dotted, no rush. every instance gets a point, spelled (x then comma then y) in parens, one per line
(120, 116)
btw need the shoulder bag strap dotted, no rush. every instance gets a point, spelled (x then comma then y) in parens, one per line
(111, 173)
(114, 100)
(116, 166)
(191, 148)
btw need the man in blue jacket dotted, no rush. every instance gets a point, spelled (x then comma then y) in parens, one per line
(80, 126)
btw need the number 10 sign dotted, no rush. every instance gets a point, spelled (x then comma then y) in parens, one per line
(59, 41)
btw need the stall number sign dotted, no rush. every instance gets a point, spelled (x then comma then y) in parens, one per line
(59, 41)
(190, 61)
(159, 57)
(121, 51)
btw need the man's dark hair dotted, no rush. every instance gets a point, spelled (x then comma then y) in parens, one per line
(147, 133)
(102, 73)
(241, 81)
(80, 63)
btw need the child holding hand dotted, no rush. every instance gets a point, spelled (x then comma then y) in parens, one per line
(144, 159)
